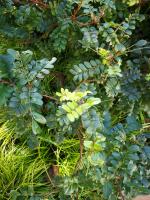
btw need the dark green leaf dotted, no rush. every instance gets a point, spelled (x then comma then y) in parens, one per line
(39, 118)
(141, 43)
(35, 127)
(107, 190)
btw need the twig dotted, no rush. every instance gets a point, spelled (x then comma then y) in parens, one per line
(80, 136)
(40, 3)
(121, 193)
(12, 84)
(50, 97)
(75, 12)
(7, 82)
(81, 146)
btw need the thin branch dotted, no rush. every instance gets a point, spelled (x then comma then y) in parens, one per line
(12, 84)
(81, 139)
(76, 10)
(79, 7)
(80, 136)
(40, 4)
(6, 82)
(122, 195)
(50, 97)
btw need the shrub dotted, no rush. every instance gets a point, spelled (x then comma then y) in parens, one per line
(90, 106)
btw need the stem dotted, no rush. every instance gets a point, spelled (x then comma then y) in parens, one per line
(39, 153)
(121, 195)
(7, 82)
(50, 97)
(76, 10)
(40, 3)
(79, 7)
(132, 50)
(80, 136)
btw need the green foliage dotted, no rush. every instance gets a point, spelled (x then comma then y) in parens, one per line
(23, 89)
(89, 116)
(77, 104)
(87, 70)
(20, 170)
(132, 2)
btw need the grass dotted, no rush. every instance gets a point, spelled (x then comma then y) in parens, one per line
(21, 170)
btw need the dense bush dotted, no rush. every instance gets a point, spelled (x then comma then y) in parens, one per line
(75, 89)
